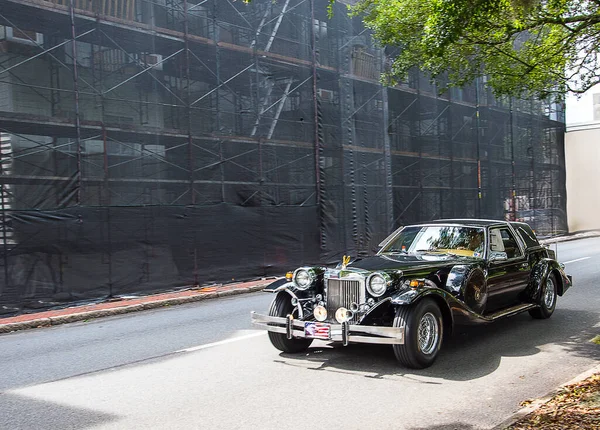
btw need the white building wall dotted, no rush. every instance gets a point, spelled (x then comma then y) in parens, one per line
(582, 157)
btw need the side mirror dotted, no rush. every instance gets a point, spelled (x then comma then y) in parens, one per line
(498, 256)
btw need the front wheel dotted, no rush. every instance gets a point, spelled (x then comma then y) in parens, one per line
(547, 301)
(423, 333)
(281, 306)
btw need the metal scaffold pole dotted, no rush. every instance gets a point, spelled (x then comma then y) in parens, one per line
(478, 131)
(188, 103)
(189, 127)
(387, 152)
(453, 199)
(76, 88)
(317, 135)
(216, 32)
(4, 196)
(513, 195)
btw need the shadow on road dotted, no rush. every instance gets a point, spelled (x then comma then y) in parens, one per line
(22, 412)
(473, 351)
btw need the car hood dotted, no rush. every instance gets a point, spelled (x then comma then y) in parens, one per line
(406, 262)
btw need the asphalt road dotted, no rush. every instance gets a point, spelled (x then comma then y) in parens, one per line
(203, 366)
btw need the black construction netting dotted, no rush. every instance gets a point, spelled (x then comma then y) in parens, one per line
(148, 145)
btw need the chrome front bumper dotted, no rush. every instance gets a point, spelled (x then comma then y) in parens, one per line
(345, 333)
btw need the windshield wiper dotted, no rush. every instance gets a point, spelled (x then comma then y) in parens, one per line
(395, 251)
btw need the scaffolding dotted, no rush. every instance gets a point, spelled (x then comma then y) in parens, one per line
(151, 144)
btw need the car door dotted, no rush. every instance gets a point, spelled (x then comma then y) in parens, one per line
(508, 268)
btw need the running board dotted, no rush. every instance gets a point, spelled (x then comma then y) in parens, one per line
(509, 312)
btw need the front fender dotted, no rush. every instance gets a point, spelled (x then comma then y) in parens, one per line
(458, 276)
(431, 290)
(454, 310)
(408, 297)
(284, 290)
(274, 286)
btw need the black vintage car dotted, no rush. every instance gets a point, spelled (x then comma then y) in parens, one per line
(424, 280)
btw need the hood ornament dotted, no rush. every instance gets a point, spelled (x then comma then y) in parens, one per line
(345, 261)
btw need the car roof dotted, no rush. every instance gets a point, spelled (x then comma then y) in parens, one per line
(470, 222)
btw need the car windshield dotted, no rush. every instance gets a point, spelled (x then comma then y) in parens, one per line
(465, 241)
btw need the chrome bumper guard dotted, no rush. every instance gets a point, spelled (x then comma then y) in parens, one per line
(345, 333)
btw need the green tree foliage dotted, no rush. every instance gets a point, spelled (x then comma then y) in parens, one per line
(524, 47)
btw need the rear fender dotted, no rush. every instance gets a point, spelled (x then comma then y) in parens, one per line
(540, 273)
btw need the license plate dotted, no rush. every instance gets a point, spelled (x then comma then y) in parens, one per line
(317, 330)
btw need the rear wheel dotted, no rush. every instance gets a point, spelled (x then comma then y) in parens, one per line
(423, 333)
(547, 300)
(281, 306)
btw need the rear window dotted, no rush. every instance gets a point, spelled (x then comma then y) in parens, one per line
(527, 235)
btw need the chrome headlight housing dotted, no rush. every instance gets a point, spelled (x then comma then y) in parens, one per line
(377, 283)
(304, 278)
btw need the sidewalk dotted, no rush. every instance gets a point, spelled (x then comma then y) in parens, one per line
(126, 305)
(569, 237)
(573, 405)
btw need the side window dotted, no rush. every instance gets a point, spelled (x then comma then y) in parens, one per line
(502, 240)
(528, 236)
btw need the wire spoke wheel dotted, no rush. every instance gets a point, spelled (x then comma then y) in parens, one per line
(423, 332)
(428, 333)
(547, 298)
(549, 293)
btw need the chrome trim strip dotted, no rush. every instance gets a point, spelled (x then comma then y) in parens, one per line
(296, 333)
(355, 333)
(391, 332)
(276, 320)
(378, 340)
(512, 311)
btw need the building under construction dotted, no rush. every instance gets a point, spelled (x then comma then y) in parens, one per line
(154, 144)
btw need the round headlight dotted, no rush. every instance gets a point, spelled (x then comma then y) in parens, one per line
(320, 313)
(343, 314)
(377, 284)
(302, 279)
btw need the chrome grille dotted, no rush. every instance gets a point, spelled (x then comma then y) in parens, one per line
(341, 293)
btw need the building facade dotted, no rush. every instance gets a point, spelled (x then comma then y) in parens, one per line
(582, 152)
(150, 144)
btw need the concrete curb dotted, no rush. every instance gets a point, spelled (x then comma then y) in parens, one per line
(71, 314)
(538, 403)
